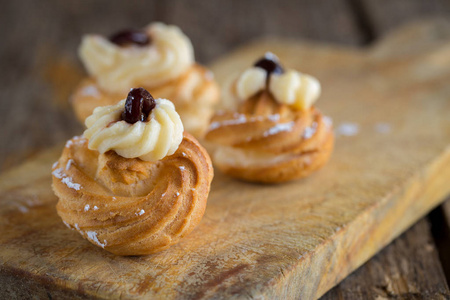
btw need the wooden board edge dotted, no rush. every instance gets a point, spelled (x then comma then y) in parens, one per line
(412, 191)
(423, 192)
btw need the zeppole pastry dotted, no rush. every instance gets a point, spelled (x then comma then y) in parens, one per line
(159, 58)
(135, 183)
(272, 131)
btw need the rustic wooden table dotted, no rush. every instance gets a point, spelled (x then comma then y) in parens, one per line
(40, 38)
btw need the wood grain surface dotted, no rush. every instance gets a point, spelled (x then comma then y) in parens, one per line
(40, 38)
(296, 240)
(401, 271)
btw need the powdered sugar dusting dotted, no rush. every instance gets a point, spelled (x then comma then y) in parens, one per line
(328, 121)
(76, 140)
(274, 118)
(279, 128)
(309, 131)
(69, 143)
(59, 173)
(90, 90)
(348, 129)
(68, 181)
(140, 213)
(54, 164)
(92, 235)
(182, 168)
(240, 120)
(23, 209)
(86, 207)
(95, 207)
(67, 225)
(69, 163)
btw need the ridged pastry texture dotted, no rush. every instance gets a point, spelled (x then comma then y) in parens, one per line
(267, 141)
(194, 94)
(129, 206)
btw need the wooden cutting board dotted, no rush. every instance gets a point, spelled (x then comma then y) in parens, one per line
(391, 110)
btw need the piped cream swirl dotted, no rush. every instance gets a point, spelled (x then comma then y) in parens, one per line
(117, 68)
(295, 89)
(151, 140)
(298, 90)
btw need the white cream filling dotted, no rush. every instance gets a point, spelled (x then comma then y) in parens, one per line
(117, 68)
(150, 140)
(298, 90)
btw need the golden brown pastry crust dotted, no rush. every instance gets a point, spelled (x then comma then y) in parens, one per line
(194, 94)
(265, 141)
(129, 206)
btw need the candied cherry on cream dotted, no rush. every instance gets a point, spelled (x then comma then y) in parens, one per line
(130, 36)
(270, 64)
(138, 105)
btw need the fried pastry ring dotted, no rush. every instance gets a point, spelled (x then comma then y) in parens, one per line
(266, 141)
(130, 206)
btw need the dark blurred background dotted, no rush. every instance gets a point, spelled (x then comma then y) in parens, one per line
(214, 26)
(39, 68)
(39, 40)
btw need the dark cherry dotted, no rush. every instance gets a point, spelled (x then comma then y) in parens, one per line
(270, 64)
(138, 106)
(130, 36)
